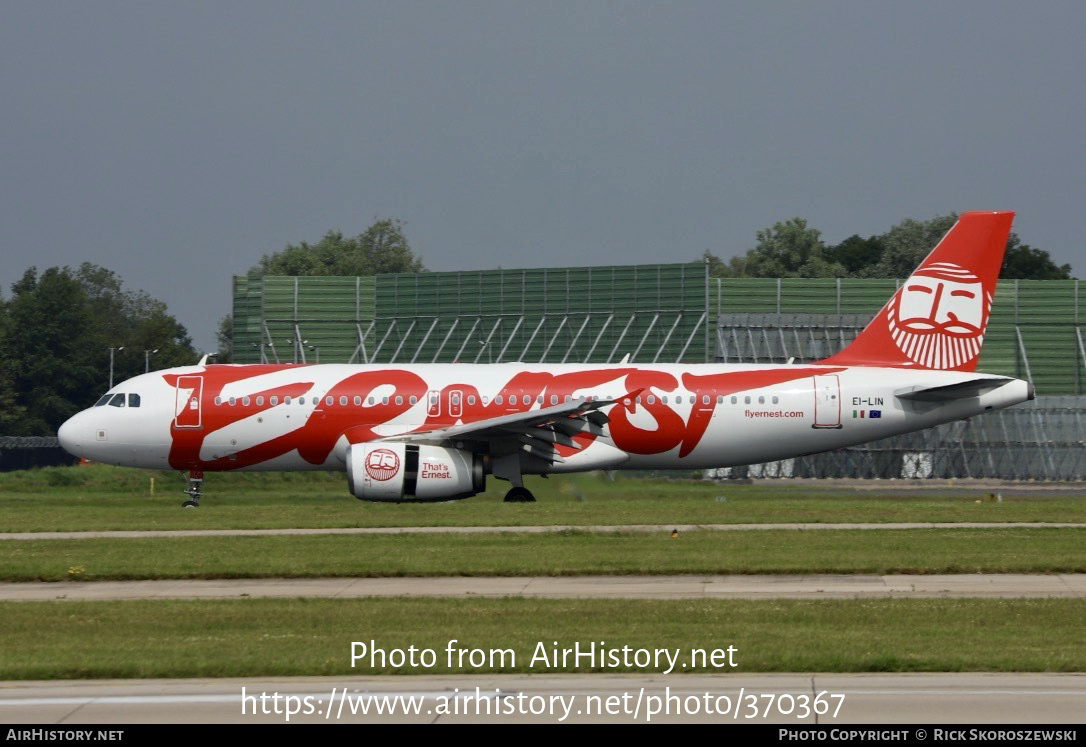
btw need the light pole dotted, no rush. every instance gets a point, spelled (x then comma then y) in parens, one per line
(111, 351)
(298, 345)
(147, 359)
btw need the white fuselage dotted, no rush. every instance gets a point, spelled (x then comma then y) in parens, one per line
(227, 417)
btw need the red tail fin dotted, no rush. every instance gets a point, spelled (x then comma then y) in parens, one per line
(937, 318)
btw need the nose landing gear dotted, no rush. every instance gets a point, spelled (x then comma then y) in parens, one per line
(195, 481)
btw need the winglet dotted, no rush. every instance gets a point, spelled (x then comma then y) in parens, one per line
(937, 318)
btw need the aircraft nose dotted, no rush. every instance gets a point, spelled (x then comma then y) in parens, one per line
(70, 436)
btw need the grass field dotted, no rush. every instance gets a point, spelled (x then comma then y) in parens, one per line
(563, 553)
(110, 498)
(269, 637)
(313, 636)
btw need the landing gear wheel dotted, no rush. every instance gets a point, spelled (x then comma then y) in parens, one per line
(519, 495)
(196, 481)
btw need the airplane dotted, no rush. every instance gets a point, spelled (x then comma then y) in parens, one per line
(435, 432)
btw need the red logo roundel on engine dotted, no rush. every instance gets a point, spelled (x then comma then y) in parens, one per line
(382, 464)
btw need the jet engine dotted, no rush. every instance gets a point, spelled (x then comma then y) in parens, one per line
(399, 472)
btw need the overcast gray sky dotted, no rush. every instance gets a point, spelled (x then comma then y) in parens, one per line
(177, 142)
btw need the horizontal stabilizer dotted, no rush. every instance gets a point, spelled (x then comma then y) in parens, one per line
(948, 392)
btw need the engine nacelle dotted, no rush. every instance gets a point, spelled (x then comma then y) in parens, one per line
(400, 472)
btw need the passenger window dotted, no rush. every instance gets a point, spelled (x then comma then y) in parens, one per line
(413, 400)
(133, 400)
(342, 401)
(286, 400)
(232, 401)
(245, 401)
(218, 400)
(301, 400)
(274, 400)
(357, 401)
(734, 399)
(260, 400)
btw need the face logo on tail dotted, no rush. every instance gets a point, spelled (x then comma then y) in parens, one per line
(938, 318)
(382, 464)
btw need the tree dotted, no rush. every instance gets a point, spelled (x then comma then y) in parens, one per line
(133, 319)
(790, 249)
(1023, 262)
(57, 333)
(855, 254)
(905, 245)
(225, 337)
(11, 410)
(49, 323)
(381, 248)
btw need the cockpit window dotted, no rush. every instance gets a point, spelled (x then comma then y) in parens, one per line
(103, 400)
(133, 400)
(117, 400)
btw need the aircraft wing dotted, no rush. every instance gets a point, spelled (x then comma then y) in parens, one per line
(948, 392)
(537, 430)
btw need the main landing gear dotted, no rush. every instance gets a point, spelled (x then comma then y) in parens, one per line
(519, 494)
(196, 481)
(508, 467)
